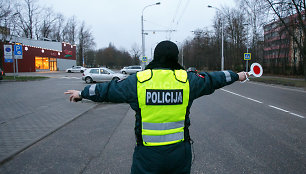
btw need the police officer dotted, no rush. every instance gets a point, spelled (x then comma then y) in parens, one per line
(161, 96)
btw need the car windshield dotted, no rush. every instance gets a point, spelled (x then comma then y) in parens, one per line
(110, 71)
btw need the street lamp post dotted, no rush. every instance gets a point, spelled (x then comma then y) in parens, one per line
(182, 56)
(222, 45)
(142, 30)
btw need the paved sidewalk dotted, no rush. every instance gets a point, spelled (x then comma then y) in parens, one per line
(18, 134)
(29, 111)
(99, 141)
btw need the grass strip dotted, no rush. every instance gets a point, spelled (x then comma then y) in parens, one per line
(281, 81)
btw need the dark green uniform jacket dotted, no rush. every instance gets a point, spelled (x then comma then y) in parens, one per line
(125, 91)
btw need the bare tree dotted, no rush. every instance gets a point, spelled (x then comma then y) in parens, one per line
(86, 41)
(112, 57)
(90, 60)
(256, 15)
(57, 28)
(27, 11)
(236, 33)
(6, 18)
(200, 51)
(46, 24)
(69, 32)
(5, 11)
(135, 53)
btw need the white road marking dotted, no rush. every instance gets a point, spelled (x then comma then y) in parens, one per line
(271, 106)
(278, 108)
(241, 96)
(76, 77)
(296, 115)
(286, 111)
(70, 77)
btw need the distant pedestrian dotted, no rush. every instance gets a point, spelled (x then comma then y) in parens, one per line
(161, 96)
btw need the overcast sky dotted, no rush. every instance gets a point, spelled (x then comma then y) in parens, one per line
(119, 21)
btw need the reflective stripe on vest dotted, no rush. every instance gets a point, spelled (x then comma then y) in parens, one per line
(163, 97)
(164, 138)
(162, 126)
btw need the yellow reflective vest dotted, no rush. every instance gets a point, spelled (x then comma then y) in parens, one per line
(163, 97)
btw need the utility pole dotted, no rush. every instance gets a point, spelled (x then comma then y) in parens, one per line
(142, 32)
(222, 30)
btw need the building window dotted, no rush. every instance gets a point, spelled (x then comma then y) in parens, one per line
(45, 63)
(53, 64)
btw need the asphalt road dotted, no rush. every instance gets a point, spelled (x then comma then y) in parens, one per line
(242, 128)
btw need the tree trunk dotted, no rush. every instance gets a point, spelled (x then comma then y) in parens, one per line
(304, 57)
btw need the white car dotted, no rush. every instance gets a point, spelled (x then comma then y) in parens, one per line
(131, 69)
(79, 69)
(101, 75)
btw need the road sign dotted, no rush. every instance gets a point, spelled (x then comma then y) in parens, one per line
(256, 70)
(247, 56)
(8, 53)
(18, 51)
(7, 50)
(144, 59)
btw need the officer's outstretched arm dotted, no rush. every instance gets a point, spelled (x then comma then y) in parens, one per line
(123, 91)
(206, 83)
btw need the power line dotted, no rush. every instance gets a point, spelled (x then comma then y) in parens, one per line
(174, 24)
(183, 11)
(176, 10)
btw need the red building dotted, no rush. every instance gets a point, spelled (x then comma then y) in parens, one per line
(281, 53)
(41, 56)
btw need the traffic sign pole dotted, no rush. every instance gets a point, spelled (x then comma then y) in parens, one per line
(17, 66)
(17, 54)
(14, 64)
(247, 57)
(247, 62)
(246, 66)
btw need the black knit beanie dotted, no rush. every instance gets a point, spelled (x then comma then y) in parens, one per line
(165, 56)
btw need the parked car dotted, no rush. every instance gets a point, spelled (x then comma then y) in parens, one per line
(131, 69)
(192, 69)
(101, 75)
(79, 69)
(1, 74)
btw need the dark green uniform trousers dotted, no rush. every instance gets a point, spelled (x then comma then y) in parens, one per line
(169, 159)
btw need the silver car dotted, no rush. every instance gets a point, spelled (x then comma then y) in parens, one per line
(131, 69)
(101, 75)
(79, 69)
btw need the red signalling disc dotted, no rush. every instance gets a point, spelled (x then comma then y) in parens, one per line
(256, 70)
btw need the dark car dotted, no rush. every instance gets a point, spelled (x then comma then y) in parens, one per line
(1, 74)
(192, 69)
